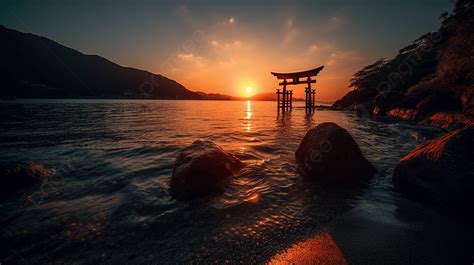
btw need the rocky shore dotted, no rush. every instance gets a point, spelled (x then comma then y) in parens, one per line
(430, 81)
(438, 172)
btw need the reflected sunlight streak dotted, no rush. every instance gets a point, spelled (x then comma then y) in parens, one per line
(249, 115)
(320, 249)
(254, 199)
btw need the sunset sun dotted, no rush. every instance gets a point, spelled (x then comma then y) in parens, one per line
(248, 91)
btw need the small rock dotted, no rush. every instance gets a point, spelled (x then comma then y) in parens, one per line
(202, 169)
(403, 114)
(377, 111)
(20, 176)
(361, 109)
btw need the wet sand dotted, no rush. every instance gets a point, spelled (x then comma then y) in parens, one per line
(357, 239)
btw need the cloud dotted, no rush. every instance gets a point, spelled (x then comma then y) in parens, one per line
(186, 62)
(334, 22)
(214, 43)
(236, 44)
(192, 59)
(291, 35)
(189, 57)
(227, 62)
(291, 32)
(321, 48)
(182, 11)
(344, 58)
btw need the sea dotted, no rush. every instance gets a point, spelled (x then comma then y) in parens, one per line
(107, 200)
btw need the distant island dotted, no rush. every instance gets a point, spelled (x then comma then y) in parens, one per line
(257, 97)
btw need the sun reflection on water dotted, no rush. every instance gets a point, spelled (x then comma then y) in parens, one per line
(254, 199)
(320, 249)
(248, 116)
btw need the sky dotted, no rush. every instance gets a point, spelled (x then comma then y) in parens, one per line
(226, 46)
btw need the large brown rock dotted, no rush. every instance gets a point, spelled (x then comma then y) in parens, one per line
(202, 169)
(440, 172)
(329, 153)
(20, 176)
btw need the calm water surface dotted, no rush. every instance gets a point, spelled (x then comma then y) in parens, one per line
(112, 160)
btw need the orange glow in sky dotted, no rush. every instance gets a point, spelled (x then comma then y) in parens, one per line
(238, 46)
(233, 60)
(225, 46)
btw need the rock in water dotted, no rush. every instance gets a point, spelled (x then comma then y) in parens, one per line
(440, 172)
(201, 169)
(20, 176)
(329, 153)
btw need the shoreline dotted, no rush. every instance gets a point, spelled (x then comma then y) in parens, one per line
(356, 239)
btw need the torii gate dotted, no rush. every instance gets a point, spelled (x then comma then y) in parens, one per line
(286, 102)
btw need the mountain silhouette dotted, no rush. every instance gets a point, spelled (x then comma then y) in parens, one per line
(36, 67)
